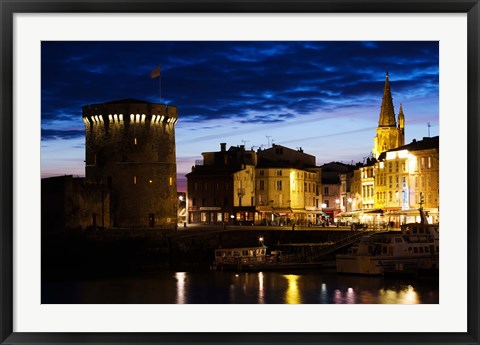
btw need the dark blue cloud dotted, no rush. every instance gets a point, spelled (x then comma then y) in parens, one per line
(220, 80)
(49, 134)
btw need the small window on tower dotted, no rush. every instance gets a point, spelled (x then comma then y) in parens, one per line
(171, 181)
(135, 141)
(134, 179)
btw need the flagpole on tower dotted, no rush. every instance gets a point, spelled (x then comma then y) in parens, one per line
(157, 74)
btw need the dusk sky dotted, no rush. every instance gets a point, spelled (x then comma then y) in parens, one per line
(322, 96)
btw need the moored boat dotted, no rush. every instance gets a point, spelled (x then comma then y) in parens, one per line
(414, 249)
(258, 259)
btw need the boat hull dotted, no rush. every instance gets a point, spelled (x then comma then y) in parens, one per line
(374, 265)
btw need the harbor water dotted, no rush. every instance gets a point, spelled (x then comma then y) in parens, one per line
(221, 287)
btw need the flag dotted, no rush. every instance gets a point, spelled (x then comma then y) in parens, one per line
(155, 73)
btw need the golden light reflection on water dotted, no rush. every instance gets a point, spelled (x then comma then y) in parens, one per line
(261, 292)
(408, 295)
(181, 277)
(292, 295)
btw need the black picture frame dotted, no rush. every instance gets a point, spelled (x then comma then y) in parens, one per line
(10, 7)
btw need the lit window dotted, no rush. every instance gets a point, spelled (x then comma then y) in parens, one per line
(135, 141)
(134, 179)
(279, 185)
(171, 181)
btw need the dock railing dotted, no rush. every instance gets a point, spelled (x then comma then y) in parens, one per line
(344, 242)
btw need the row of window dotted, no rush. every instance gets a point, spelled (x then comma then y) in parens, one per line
(425, 163)
(302, 175)
(215, 185)
(217, 202)
(395, 197)
(307, 187)
(394, 181)
(219, 217)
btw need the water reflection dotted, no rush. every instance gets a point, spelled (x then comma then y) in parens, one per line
(407, 295)
(181, 277)
(350, 296)
(261, 292)
(216, 287)
(323, 294)
(292, 295)
(337, 297)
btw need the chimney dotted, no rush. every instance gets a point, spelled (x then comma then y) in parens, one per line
(223, 147)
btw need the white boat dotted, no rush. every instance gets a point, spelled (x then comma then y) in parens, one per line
(412, 250)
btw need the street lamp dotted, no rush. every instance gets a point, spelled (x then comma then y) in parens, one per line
(260, 240)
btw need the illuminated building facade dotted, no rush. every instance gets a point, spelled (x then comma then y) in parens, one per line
(287, 187)
(130, 149)
(407, 175)
(276, 186)
(221, 188)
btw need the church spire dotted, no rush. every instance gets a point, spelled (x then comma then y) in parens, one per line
(401, 117)
(387, 113)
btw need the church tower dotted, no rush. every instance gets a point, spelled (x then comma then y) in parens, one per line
(389, 136)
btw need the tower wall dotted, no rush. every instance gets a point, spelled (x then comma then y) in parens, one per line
(387, 138)
(130, 147)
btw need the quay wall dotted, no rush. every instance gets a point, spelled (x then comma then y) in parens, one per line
(114, 252)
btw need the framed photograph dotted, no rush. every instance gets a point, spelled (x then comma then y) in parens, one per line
(239, 172)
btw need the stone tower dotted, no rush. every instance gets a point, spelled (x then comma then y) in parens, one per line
(389, 136)
(130, 148)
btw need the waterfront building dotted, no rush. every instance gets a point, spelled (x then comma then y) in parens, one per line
(334, 196)
(346, 195)
(130, 150)
(275, 186)
(367, 185)
(288, 187)
(221, 188)
(405, 177)
(389, 135)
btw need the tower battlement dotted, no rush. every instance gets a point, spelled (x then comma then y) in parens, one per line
(129, 112)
